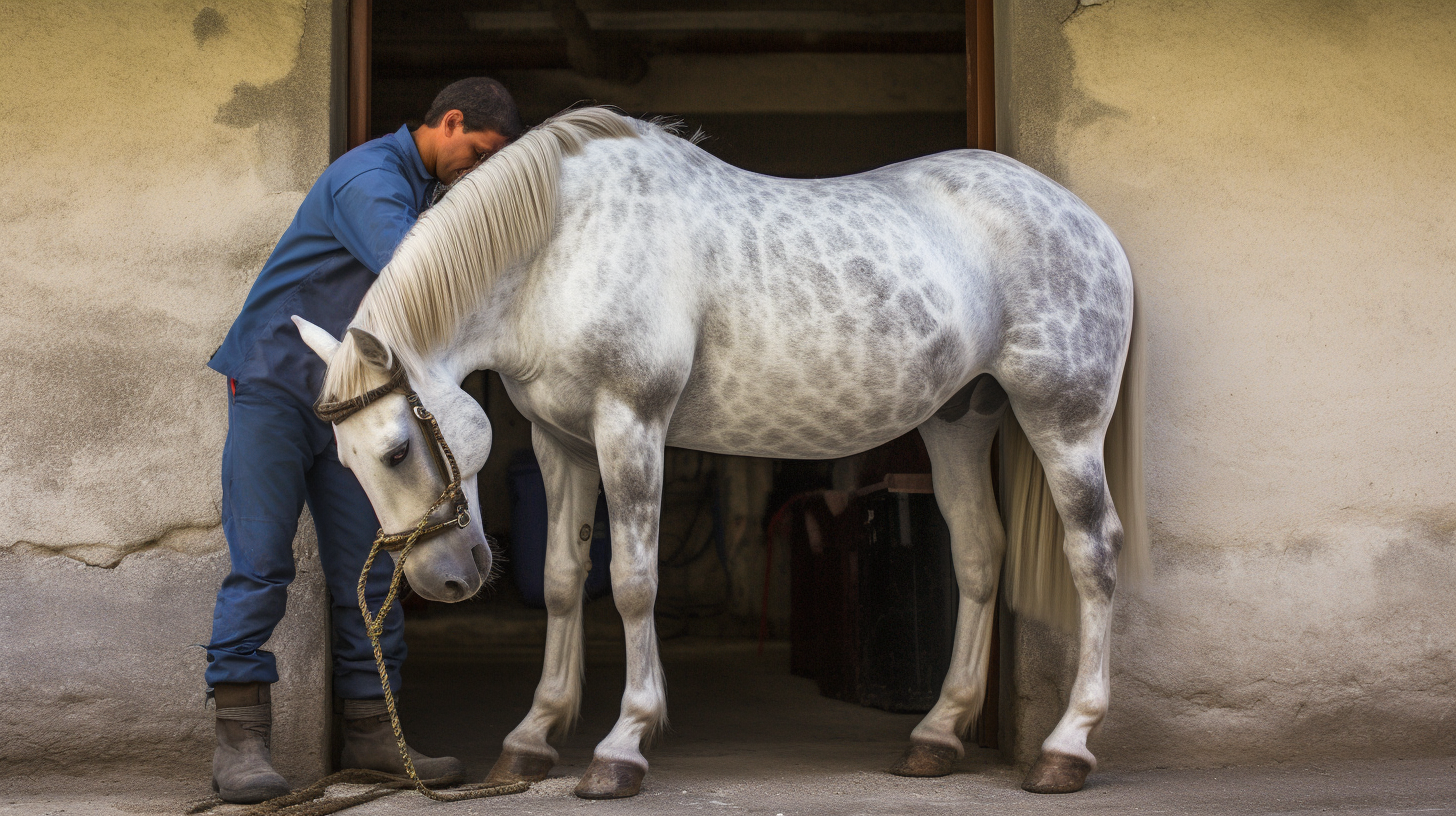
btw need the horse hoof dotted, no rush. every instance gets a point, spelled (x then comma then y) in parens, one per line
(924, 760)
(514, 767)
(1057, 773)
(606, 779)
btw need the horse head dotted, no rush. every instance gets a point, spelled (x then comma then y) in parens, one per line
(410, 444)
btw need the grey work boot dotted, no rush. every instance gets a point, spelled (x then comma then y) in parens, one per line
(242, 769)
(369, 743)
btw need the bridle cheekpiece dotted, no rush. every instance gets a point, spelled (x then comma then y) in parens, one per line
(449, 471)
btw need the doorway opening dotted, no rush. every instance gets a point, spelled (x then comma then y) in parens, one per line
(809, 89)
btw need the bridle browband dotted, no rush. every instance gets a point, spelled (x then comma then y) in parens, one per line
(341, 410)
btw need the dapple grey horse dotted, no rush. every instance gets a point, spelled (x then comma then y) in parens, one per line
(634, 292)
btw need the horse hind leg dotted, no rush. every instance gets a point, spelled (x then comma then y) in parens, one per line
(1070, 450)
(959, 440)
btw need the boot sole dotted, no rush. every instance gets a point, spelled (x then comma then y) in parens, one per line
(249, 796)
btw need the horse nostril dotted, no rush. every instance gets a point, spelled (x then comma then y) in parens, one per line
(480, 554)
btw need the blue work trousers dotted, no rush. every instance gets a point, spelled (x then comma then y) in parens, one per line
(278, 456)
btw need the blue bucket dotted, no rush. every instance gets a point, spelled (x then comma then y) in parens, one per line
(528, 535)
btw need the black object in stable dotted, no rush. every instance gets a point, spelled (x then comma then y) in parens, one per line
(874, 604)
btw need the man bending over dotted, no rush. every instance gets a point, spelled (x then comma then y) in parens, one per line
(279, 456)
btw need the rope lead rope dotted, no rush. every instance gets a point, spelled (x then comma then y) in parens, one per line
(374, 624)
(308, 801)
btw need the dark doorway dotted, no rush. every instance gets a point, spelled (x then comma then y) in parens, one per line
(808, 89)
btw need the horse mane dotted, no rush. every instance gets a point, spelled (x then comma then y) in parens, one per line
(493, 216)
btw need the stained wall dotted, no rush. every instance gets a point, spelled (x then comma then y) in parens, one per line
(1282, 176)
(154, 153)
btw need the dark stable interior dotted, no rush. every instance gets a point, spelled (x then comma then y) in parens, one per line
(806, 89)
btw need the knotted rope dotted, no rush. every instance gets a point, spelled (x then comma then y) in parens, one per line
(307, 801)
(310, 801)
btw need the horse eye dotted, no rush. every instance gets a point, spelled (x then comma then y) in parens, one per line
(397, 455)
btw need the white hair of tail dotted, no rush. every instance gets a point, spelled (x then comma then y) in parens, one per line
(492, 217)
(1037, 578)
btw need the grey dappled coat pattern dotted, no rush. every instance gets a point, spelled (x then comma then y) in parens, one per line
(818, 318)
(678, 300)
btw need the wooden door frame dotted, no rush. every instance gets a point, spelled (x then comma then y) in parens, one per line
(981, 134)
(359, 32)
(357, 23)
(980, 75)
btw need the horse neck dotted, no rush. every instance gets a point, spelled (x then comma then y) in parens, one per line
(490, 338)
(485, 340)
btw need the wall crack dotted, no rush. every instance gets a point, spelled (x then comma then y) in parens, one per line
(1081, 6)
(188, 539)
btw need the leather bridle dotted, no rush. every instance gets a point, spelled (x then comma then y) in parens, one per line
(402, 543)
(439, 451)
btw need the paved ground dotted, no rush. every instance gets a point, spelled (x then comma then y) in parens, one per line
(748, 738)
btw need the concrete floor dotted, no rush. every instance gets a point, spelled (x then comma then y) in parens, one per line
(749, 738)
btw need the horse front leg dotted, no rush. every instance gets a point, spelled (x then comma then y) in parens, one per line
(630, 451)
(571, 502)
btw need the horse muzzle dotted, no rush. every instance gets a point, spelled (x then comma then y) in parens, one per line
(449, 568)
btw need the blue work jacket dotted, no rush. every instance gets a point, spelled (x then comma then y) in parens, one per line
(343, 235)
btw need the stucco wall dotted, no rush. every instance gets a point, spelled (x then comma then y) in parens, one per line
(1282, 177)
(154, 152)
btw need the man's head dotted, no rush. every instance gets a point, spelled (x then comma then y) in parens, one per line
(467, 122)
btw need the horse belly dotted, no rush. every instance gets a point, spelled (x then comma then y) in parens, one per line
(817, 401)
(834, 352)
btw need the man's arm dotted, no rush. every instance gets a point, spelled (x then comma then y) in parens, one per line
(372, 213)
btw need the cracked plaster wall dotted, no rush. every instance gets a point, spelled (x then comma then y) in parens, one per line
(1281, 176)
(155, 151)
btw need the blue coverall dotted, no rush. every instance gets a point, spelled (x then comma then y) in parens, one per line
(278, 455)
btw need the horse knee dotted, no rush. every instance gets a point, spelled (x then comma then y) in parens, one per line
(563, 590)
(634, 592)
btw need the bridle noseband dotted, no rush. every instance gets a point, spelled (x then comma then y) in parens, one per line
(439, 451)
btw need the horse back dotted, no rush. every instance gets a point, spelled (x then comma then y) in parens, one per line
(801, 318)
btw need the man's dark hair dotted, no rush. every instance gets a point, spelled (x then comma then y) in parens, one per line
(487, 105)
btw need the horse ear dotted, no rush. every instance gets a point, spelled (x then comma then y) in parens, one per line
(371, 350)
(322, 343)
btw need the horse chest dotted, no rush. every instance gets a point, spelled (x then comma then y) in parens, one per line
(554, 405)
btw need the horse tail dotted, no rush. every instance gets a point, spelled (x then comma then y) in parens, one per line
(1038, 579)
